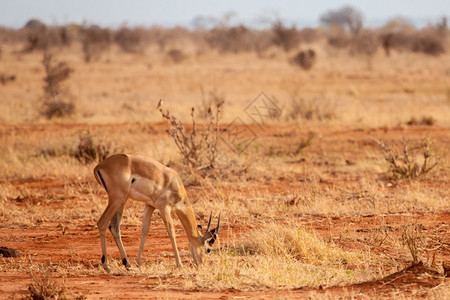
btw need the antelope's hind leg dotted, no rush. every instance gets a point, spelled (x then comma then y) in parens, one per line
(114, 205)
(114, 227)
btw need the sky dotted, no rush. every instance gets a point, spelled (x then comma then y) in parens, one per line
(113, 13)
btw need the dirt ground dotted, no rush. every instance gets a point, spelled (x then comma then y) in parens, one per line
(77, 242)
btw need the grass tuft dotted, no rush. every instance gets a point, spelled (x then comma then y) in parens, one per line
(410, 160)
(44, 286)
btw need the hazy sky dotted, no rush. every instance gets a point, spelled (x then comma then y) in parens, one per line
(15, 13)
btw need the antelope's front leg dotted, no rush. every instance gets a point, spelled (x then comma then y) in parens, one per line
(168, 221)
(148, 211)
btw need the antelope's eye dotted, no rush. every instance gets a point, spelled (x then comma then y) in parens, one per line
(208, 250)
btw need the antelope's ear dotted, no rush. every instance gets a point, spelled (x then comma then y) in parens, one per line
(200, 228)
(210, 236)
(213, 238)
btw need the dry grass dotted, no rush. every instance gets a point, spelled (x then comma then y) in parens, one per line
(44, 286)
(280, 196)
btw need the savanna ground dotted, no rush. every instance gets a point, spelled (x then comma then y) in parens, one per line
(309, 206)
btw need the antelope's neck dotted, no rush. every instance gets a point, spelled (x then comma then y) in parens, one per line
(186, 214)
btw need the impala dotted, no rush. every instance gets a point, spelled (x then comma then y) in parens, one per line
(141, 178)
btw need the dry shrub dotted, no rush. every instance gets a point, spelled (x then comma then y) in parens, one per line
(237, 39)
(90, 150)
(412, 239)
(410, 160)
(308, 35)
(305, 59)
(429, 42)
(338, 38)
(6, 78)
(44, 286)
(310, 109)
(166, 37)
(286, 38)
(131, 40)
(42, 37)
(424, 121)
(55, 104)
(212, 98)
(365, 44)
(95, 40)
(176, 55)
(199, 147)
(58, 109)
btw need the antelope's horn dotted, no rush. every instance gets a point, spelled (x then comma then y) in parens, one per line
(218, 225)
(209, 224)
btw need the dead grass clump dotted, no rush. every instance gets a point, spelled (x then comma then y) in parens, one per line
(411, 238)
(55, 102)
(424, 121)
(90, 150)
(410, 160)
(305, 59)
(44, 286)
(199, 148)
(310, 109)
(275, 240)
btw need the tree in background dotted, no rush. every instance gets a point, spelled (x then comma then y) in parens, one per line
(346, 17)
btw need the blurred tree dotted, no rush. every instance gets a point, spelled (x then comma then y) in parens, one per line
(346, 17)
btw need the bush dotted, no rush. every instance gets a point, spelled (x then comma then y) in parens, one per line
(176, 55)
(55, 104)
(211, 99)
(305, 59)
(338, 38)
(95, 40)
(429, 42)
(39, 36)
(44, 286)
(286, 38)
(310, 109)
(90, 150)
(199, 147)
(410, 160)
(365, 44)
(237, 39)
(130, 40)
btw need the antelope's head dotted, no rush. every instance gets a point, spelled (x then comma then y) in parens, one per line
(207, 240)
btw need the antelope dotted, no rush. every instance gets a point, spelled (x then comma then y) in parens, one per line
(144, 179)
